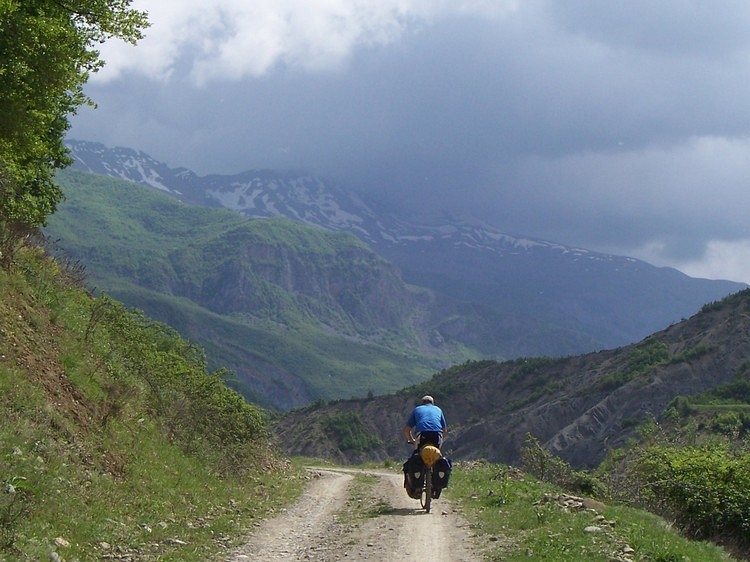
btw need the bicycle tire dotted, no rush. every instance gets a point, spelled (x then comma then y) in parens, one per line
(427, 490)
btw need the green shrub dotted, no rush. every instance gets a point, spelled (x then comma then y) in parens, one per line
(727, 423)
(116, 417)
(197, 408)
(349, 432)
(641, 360)
(705, 489)
(547, 467)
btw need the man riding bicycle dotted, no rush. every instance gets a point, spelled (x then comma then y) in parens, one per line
(426, 421)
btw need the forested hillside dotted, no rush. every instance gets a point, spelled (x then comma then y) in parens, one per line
(299, 313)
(520, 296)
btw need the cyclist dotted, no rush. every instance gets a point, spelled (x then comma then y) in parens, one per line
(427, 422)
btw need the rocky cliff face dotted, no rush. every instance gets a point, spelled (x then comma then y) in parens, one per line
(337, 283)
(579, 407)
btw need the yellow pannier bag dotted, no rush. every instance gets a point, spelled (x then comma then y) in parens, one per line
(430, 454)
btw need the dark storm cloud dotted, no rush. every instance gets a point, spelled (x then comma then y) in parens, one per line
(614, 126)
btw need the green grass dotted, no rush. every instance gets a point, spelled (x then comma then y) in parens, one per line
(123, 487)
(520, 518)
(104, 451)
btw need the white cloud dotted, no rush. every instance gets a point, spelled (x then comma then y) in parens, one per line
(699, 180)
(232, 39)
(722, 259)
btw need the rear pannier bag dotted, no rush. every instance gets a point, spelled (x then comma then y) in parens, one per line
(441, 473)
(414, 475)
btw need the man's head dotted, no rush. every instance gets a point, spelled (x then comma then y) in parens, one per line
(427, 399)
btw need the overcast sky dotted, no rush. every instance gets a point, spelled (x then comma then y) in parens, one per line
(621, 127)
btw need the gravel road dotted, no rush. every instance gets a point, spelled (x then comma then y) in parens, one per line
(324, 524)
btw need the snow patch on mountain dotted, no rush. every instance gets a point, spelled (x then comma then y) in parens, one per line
(148, 176)
(308, 199)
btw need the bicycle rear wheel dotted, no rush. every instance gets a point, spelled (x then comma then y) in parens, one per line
(426, 497)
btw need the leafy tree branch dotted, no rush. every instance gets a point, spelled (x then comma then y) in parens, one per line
(47, 53)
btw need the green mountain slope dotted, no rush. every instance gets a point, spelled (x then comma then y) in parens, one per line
(579, 407)
(298, 313)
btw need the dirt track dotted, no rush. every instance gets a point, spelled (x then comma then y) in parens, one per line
(323, 525)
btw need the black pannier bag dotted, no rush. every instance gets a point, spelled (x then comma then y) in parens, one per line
(414, 475)
(441, 473)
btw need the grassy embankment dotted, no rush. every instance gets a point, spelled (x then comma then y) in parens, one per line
(115, 439)
(517, 517)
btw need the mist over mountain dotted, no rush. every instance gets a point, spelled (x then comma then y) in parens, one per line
(533, 297)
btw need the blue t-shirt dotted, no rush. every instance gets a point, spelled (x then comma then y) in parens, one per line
(426, 417)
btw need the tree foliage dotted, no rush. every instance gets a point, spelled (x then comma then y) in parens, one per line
(349, 432)
(48, 49)
(544, 465)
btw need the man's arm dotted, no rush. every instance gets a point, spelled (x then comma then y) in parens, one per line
(408, 435)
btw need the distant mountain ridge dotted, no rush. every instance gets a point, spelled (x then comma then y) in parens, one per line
(302, 197)
(534, 297)
(262, 193)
